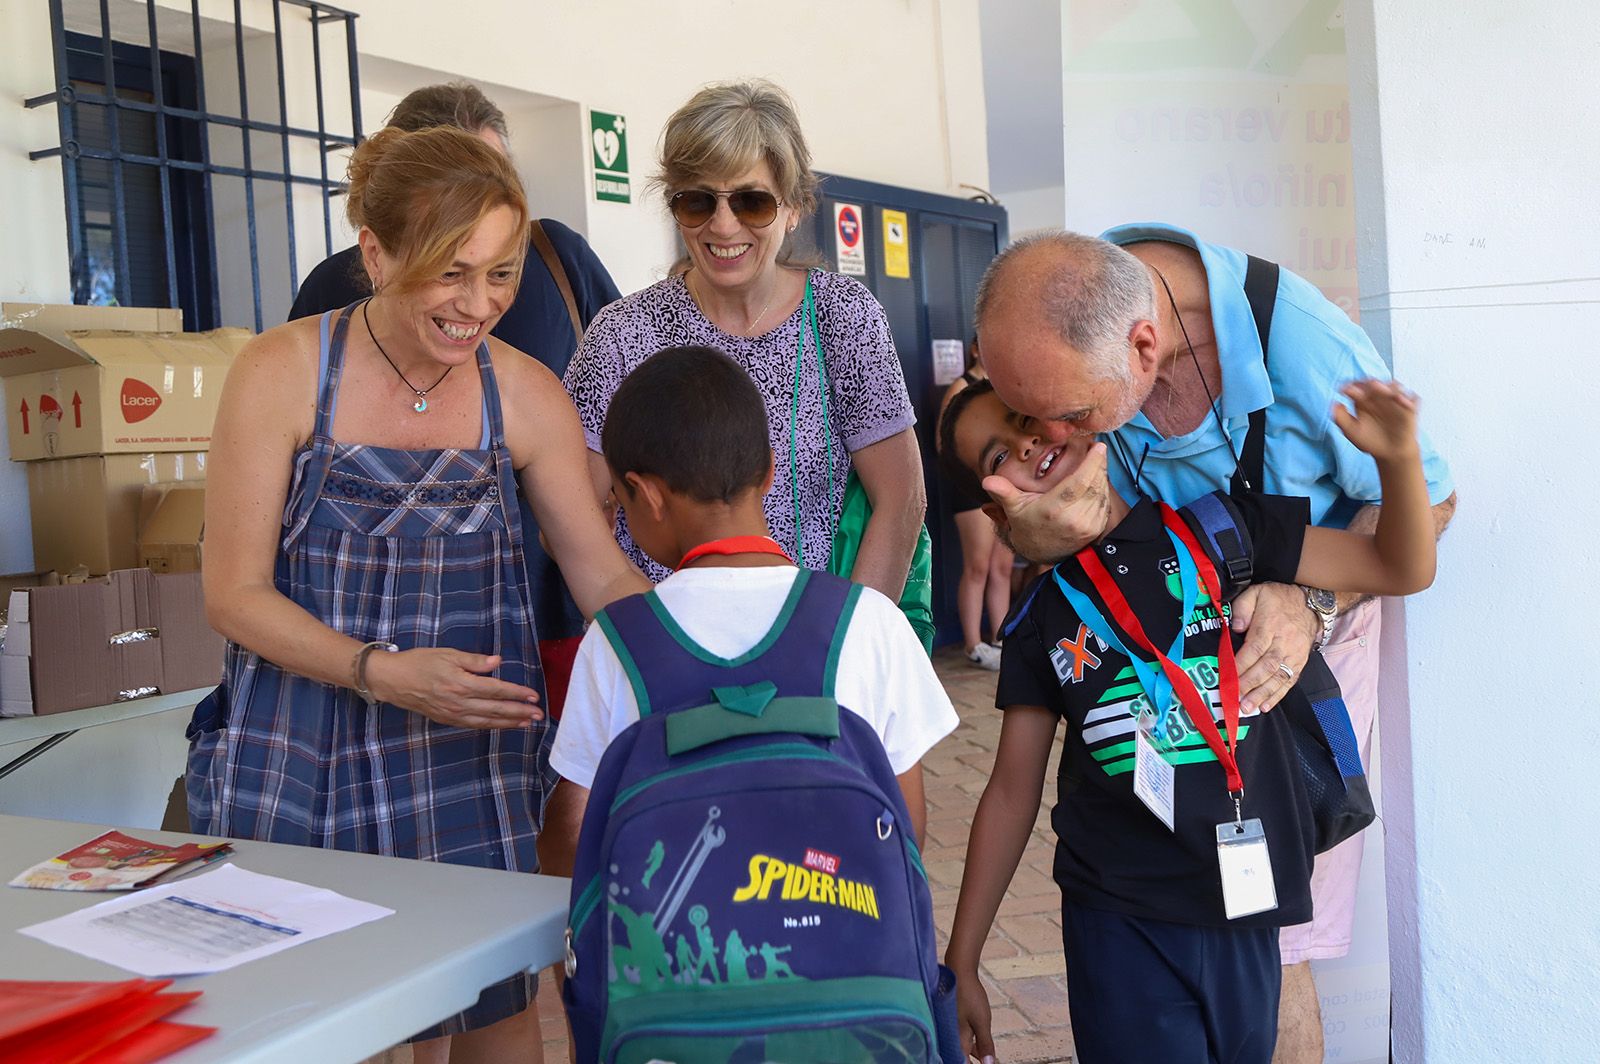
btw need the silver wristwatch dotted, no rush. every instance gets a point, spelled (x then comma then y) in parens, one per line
(1326, 607)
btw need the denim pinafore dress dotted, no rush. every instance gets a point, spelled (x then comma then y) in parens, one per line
(420, 549)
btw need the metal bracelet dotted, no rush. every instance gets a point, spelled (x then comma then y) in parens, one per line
(358, 667)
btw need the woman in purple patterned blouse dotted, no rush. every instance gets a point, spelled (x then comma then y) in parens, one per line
(738, 180)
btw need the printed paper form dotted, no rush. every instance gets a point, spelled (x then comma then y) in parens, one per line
(207, 923)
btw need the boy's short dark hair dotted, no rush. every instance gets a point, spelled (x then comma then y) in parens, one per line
(693, 417)
(968, 482)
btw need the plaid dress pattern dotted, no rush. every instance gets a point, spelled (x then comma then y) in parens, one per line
(419, 549)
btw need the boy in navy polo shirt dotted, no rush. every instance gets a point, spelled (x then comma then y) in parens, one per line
(1171, 936)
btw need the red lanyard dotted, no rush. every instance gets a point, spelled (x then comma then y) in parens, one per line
(1198, 708)
(736, 545)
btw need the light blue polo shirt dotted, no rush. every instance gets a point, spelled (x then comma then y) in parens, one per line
(1314, 350)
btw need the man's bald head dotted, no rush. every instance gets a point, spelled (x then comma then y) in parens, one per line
(1055, 312)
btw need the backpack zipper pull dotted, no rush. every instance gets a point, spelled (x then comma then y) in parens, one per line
(572, 958)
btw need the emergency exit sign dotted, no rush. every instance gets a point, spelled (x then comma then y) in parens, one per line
(608, 151)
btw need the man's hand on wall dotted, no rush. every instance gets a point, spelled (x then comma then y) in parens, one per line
(1280, 629)
(1058, 523)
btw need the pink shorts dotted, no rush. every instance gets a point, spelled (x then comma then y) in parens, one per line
(1352, 654)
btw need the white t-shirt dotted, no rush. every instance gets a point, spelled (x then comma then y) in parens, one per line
(884, 675)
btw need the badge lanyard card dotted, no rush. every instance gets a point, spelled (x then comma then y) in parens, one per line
(1242, 857)
(1153, 777)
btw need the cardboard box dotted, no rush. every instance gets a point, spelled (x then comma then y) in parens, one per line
(10, 582)
(16, 693)
(77, 384)
(86, 511)
(171, 527)
(16, 682)
(191, 651)
(18, 635)
(127, 635)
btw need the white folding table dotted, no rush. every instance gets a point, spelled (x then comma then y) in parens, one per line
(55, 728)
(336, 1000)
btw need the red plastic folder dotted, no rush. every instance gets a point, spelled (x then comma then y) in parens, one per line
(92, 1023)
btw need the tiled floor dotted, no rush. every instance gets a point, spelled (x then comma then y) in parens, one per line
(1023, 966)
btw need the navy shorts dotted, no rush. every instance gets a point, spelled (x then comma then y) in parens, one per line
(1150, 992)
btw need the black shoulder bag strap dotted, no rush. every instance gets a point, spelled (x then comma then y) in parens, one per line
(1261, 290)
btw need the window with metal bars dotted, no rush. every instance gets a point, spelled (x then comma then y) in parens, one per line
(173, 203)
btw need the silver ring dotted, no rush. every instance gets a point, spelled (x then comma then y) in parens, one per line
(1283, 667)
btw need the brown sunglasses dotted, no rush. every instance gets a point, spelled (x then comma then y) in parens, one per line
(754, 207)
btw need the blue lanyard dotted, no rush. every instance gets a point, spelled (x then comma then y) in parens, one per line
(1157, 688)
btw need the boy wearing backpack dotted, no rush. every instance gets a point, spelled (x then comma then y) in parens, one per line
(749, 738)
(1184, 824)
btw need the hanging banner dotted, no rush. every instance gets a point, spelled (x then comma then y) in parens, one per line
(896, 245)
(849, 239)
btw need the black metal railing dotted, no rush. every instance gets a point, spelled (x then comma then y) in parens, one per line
(72, 151)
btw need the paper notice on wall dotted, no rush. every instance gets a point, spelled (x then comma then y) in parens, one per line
(849, 239)
(949, 360)
(896, 245)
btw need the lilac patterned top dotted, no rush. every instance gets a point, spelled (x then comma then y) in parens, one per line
(867, 400)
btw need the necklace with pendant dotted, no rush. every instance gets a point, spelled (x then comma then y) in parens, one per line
(749, 330)
(421, 405)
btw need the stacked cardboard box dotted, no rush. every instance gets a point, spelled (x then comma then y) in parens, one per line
(16, 680)
(110, 639)
(172, 522)
(101, 402)
(109, 407)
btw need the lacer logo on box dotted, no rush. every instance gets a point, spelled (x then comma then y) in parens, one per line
(139, 400)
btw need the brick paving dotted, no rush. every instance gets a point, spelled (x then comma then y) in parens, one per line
(1022, 967)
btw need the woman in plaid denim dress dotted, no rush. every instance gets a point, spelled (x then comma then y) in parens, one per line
(382, 683)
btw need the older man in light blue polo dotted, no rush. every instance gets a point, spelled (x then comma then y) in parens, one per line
(1154, 338)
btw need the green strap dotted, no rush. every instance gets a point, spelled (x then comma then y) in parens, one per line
(690, 729)
(810, 307)
(830, 671)
(822, 384)
(629, 666)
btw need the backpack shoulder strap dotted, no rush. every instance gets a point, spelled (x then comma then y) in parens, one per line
(1216, 522)
(626, 623)
(1020, 608)
(1261, 290)
(797, 657)
(847, 609)
(552, 262)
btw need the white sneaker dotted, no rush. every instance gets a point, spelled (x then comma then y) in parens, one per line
(985, 656)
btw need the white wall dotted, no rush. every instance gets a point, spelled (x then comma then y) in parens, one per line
(1475, 155)
(33, 224)
(886, 92)
(1022, 97)
(1228, 118)
(1034, 208)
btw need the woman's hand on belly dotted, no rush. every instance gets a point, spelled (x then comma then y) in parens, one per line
(452, 687)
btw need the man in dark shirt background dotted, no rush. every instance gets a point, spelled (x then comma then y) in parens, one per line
(538, 322)
(542, 322)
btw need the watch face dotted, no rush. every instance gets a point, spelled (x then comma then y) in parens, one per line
(1321, 600)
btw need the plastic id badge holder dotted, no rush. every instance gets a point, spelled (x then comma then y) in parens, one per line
(1247, 886)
